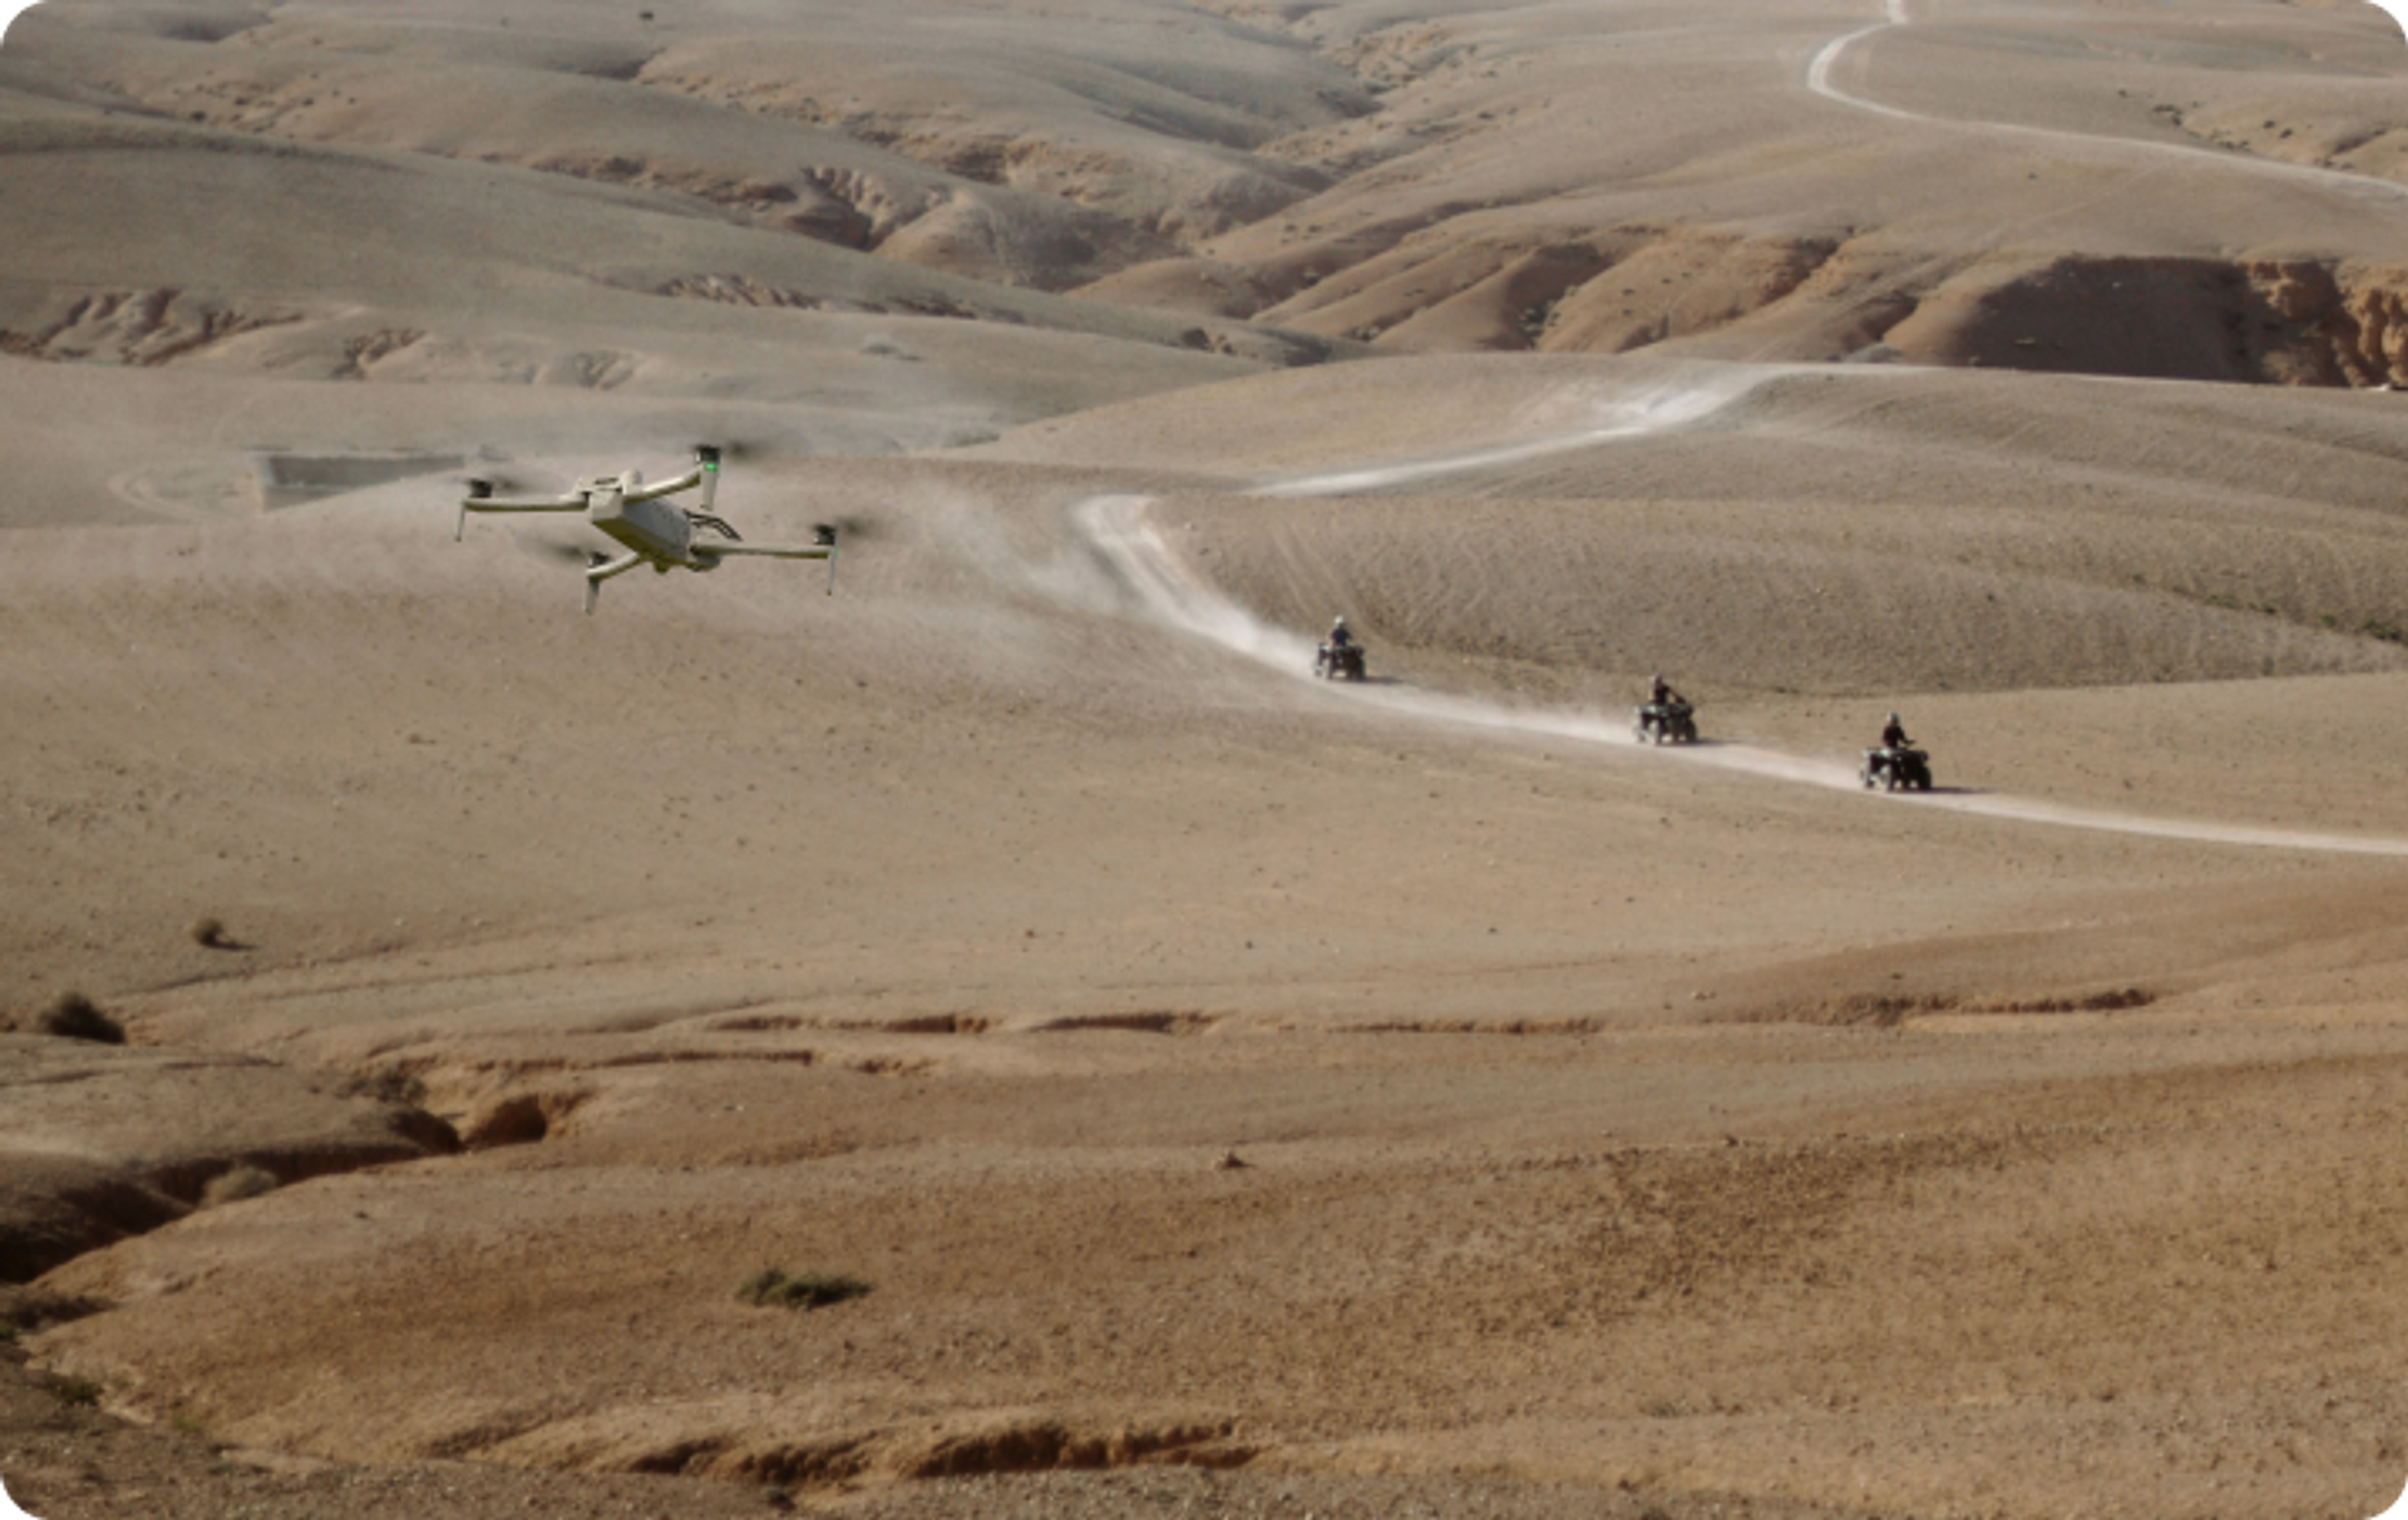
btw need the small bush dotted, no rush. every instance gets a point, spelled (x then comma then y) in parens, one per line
(208, 933)
(235, 1184)
(28, 1310)
(78, 1393)
(770, 1287)
(73, 1016)
(386, 1084)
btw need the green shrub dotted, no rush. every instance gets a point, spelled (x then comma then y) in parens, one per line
(73, 1016)
(32, 1310)
(78, 1393)
(771, 1287)
(386, 1084)
(235, 1184)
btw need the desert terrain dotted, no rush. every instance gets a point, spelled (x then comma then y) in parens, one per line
(1164, 1082)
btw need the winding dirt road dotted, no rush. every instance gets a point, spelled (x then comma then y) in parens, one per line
(1171, 594)
(2365, 188)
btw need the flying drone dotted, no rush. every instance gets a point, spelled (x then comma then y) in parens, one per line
(650, 529)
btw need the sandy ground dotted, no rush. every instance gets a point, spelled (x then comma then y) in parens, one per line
(1225, 1093)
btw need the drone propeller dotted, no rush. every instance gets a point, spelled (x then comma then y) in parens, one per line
(556, 547)
(490, 481)
(857, 528)
(679, 437)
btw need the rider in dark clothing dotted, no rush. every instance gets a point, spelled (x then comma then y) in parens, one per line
(1339, 636)
(1894, 735)
(1660, 692)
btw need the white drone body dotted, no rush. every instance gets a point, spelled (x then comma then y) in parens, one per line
(650, 529)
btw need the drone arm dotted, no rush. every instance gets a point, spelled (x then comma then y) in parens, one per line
(715, 547)
(704, 474)
(479, 502)
(823, 547)
(482, 500)
(687, 482)
(601, 568)
(573, 502)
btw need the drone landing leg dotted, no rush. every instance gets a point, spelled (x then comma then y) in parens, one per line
(601, 568)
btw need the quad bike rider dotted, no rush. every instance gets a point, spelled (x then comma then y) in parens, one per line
(1340, 658)
(1667, 717)
(1896, 764)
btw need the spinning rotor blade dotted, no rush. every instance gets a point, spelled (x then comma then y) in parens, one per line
(859, 527)
(507, 480)
(738, 438)
(557, 548)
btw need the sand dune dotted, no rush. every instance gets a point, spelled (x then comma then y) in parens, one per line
(1237, 1093)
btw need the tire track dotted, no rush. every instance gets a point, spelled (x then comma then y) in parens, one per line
(1169, 592)
(2366, 188)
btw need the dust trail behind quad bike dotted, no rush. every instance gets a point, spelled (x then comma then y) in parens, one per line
(1171, 592)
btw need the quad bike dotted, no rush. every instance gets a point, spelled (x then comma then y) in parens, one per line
(1894, 769)
(1665, 722)
(1339, 662)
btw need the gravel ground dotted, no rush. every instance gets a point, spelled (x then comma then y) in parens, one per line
(1184, 1492)
(60, 1460)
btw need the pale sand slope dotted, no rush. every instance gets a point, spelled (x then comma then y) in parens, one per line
(970, 797)
(1621, 1131)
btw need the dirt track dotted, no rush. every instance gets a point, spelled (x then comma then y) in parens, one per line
(1172, 593)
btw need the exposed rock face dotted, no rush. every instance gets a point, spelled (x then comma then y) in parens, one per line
(149, 327)
(2362, 323)
(1618, 290)
(2290, 322)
